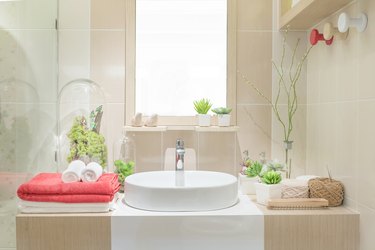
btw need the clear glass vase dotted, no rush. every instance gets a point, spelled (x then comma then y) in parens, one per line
(82, 124)
(288, 146)
(124, 154)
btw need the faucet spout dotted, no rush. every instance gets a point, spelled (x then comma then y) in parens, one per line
(180, 155)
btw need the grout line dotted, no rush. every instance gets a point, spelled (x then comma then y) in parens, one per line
(370, 99)
(255, 31)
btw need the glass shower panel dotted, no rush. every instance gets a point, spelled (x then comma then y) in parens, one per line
(28, 97)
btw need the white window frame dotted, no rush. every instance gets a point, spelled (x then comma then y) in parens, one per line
(130, 58)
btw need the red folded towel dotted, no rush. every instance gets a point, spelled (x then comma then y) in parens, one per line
(48, 187)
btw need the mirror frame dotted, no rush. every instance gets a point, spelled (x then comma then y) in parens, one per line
(130, 57)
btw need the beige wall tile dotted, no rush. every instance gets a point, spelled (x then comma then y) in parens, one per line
(114, 114)
(254, 54)
(312, 138)
(366, 156)
(74, 55)
(313, 74)
(217, 152)
(148, 151)
(367, 228)
(327, 130)
(74, 18)
(254, 14)
(109, 14)
(255, 129)
(346, 166)
(366, 53)
(108, 63)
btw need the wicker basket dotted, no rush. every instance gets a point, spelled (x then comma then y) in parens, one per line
(327, 188)
(294, 189)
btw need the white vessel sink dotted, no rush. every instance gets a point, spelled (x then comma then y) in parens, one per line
(181, 190)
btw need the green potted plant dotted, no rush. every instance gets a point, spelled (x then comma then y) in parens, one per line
(223, 116)
(123, 169)
(269, 188)
(202, 107)
(249, 174)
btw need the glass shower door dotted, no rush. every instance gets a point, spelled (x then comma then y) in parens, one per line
(28, 94)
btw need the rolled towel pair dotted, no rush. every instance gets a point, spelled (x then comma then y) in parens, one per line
(77, 170)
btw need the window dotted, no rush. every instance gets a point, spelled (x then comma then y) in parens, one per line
(181, 54)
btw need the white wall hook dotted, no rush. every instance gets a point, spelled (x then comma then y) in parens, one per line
(345, 22)
(330, 31)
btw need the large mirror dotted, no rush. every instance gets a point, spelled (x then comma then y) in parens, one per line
(182, 49)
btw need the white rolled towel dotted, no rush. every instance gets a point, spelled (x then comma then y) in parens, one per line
(91, 172)
(73, 172)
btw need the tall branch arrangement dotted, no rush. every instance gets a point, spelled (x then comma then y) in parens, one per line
(287, 83)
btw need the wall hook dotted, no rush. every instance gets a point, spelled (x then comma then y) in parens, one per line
(315, 37)
(330, 31)
(345, 22)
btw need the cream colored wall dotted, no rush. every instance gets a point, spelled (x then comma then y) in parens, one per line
(254, 54)
(340, 116)
(95, 45)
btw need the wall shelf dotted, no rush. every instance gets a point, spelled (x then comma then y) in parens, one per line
(182, 128)
(306, 13)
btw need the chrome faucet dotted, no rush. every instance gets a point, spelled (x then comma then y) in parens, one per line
(180, 155)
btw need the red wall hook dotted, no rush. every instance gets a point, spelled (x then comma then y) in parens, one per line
(315, 37)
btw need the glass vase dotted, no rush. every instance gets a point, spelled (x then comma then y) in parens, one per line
(288, 146)
(124, 154)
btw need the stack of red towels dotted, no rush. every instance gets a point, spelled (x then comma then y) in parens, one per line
(46, 190)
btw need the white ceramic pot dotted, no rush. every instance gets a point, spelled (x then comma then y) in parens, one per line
(246, 184)
(265, 192)
(204, 120)
(223, 120)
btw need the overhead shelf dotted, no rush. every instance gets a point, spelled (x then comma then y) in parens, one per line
(306, 13)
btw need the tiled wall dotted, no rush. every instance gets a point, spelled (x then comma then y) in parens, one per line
(92, 45)
(340, 116)
(28, 93)
(254, 54)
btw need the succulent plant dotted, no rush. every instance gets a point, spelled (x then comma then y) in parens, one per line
(254, 170)
(271, 177)
(202, 106)
(221, 111)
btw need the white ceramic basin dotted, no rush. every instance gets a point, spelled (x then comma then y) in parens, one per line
(181, 191)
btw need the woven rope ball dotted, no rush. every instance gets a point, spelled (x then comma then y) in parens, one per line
(327, 188)
(294, 189)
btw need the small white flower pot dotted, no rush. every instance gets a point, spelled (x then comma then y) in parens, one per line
(246, 184)
(265, 192)
(223, 120)
(204, 120)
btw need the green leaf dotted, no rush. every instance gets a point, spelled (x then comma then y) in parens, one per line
(254, 170)
(202, 106)
(271, 177)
